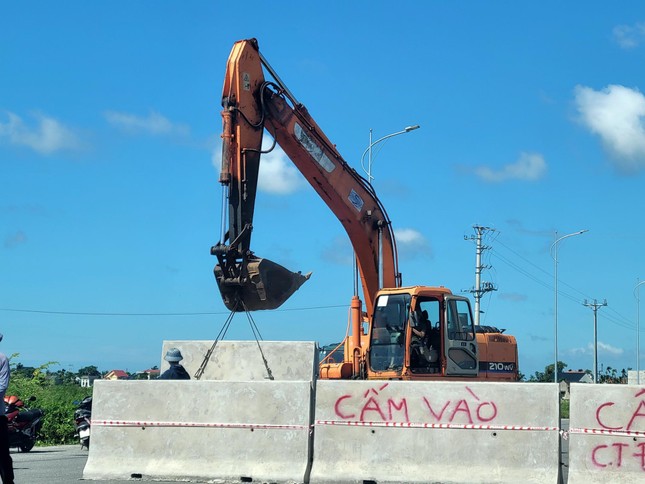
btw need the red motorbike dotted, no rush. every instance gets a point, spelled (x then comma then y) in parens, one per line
(23, 424)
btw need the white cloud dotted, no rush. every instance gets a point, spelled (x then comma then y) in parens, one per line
(617, 115)
(47, 137)
(602, 348)
(408, 236)
(612, 350)
(411, 243)
(629, 36)
(528, 167)
(154, 123)
(278, 175)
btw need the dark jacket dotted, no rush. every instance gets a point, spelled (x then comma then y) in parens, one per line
(175, 372)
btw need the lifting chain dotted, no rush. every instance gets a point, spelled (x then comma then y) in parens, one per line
(222, 333)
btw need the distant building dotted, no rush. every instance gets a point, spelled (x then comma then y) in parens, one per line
(572, 376)
(116, 375)
(87, 381)
(149, 374)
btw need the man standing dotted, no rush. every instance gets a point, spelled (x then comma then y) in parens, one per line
(6, 464)
(176, 371)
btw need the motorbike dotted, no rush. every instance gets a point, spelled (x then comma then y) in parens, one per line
(82, 421)
(23, 424)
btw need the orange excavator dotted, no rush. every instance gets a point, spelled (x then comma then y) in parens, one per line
(411, 333)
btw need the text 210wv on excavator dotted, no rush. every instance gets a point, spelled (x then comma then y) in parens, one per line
(413, 332)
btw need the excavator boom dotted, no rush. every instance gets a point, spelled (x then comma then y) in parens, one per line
(251, 105)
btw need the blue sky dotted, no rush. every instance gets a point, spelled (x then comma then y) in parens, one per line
(532, 121)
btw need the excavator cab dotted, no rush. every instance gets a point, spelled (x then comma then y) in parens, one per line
(421, 332)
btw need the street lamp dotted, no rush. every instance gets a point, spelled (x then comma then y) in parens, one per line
(637, 293)
(554, 254)
(407, 129)
(368, 170)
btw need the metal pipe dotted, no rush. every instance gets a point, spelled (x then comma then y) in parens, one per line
(637, 293)
(554, 254)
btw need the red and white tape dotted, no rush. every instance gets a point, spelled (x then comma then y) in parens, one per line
(617, 433)
(141, 423)
(424, 425)
(350, 423)
(358, 423)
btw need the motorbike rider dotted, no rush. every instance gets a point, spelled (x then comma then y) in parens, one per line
(6, 463)
(176, 371)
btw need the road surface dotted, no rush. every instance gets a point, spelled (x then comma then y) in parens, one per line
(62, 464)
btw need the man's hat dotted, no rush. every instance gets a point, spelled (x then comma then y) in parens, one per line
(173, 354)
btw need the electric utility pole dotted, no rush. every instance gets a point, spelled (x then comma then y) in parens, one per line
(480, 288)
(594, 307)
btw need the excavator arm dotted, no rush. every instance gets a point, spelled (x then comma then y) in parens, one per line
(252, 104)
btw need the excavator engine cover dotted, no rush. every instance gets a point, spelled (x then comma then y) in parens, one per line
(266, 286)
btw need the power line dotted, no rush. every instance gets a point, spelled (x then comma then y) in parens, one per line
(519, 269)
(523, 258)
(625, 323)
(616, 318)
(205, 313)
(545, 284)
(531, 276)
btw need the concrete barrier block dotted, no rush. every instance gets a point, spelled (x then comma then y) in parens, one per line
(607, 434)
(448, 432)
(242, 360)
(218, 431)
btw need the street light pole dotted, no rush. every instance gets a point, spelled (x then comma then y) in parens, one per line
(637, 293)
(368, 171)
(554, 254)
(368, 151)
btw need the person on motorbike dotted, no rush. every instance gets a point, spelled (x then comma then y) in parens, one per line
(176, 371)
(6, 463)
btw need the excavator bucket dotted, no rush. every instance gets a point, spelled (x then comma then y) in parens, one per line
(266, 286)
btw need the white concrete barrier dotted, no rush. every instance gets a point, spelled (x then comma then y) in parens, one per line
(607, 434)
(220, 431)
(242, 360)
(448, 432)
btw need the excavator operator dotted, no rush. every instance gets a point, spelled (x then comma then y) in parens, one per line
(423, 344)
(420, 331)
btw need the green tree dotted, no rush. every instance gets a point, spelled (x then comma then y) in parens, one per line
(62, 377)
(56, 401)
(41, 374)
(88, 371)
(547, 375)
(611, 375)
(22, 370)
